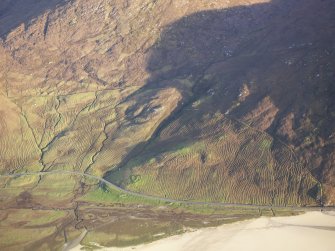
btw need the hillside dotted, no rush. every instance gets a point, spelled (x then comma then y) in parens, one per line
(128, 67)
(203, 101)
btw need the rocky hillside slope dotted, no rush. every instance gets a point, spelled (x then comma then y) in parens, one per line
(229, 98)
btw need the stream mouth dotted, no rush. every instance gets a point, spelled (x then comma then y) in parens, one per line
(74, 243)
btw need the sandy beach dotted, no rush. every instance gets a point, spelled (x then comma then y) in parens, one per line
(309, 232)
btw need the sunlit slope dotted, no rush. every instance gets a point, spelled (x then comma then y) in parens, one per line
(17, 144)
(219, 159)
(83, 131)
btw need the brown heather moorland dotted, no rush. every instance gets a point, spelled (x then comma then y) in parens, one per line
(201, 101)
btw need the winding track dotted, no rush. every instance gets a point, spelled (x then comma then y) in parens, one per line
(151, 197)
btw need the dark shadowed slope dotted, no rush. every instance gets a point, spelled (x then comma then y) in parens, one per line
(16, 12)
(268, 65)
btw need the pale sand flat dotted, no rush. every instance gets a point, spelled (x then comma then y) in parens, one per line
(309, 232)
